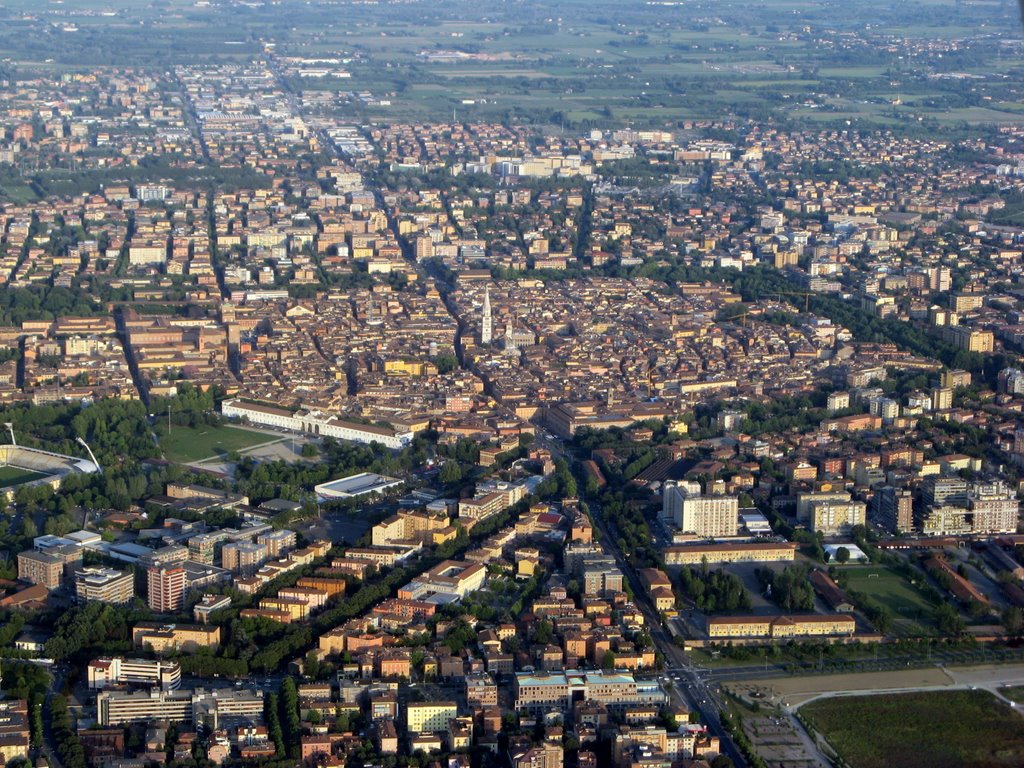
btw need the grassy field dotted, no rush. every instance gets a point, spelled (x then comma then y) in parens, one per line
(911, 612)
(1014, 693)
(15, 476)
(947, 729)
(188, 444)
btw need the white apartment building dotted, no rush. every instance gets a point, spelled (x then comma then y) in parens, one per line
(117, 670)
(706, 516)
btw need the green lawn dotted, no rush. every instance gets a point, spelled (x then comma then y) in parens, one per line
(193, 444)
(16, 476)
(1014, 693)
(911, 612)
(943, 729)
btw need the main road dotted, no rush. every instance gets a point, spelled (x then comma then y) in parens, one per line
(48, 748)
(690, 687)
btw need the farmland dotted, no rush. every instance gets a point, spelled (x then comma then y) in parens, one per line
(946, 729)
(585, 64)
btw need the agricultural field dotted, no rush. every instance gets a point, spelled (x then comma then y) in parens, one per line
(11, 476)
(945, 729)
(911, 611)
(188, 444)
(583, 63)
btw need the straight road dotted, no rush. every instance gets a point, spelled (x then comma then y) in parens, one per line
(49, 748)
(691, 686)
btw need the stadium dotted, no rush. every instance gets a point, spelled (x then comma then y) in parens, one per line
(21, 466)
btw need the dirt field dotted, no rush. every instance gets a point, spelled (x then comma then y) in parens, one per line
(779, 743)
(797, 690)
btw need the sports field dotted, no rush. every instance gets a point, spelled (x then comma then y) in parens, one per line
(193, 444)
(10, 476)
(911, 612)
(946, 729)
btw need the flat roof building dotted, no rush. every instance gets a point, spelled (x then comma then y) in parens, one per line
(429, 716)
(105, 585)
(356, 485)
(40, 568)
(754, 552)
(559, 690)
(118, 670)
(175, 637)
(208, 605)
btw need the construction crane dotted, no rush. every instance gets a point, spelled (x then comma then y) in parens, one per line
(740, 317)
(807, 297)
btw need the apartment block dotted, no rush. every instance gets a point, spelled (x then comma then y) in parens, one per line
(600, 575)
(105, 585)
(166, 588)
(706, 516)
(220, 707)
(175, 637)
(893, 508)
(837, 517)
(429, 716)
(277, 543)
(539, 692)
(994, 508)
(14, 730)
(243, 557)
(805, 500)
(208, 605)
(125, 707)
(41, 568)
(117, 670)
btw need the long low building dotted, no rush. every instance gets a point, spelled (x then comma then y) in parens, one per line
(220, 707)
(175, 637)
(316, 423)
(774, 627)
(118, 670)
(121, 707)
(445, 582)
(750, 552)
(560, 690)
(363, 484)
